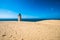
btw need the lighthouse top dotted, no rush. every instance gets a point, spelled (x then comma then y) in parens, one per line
(19, 14)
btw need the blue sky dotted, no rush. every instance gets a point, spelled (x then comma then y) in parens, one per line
(30, 8)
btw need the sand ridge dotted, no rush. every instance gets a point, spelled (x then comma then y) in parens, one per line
(42, 30)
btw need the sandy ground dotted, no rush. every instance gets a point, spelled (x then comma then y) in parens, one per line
(42, 30)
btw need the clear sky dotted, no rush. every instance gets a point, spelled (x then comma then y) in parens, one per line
(30, 8)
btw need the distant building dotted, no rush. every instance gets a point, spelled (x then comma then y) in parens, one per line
(19, 17)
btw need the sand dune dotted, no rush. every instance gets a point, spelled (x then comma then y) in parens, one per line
(42, 30)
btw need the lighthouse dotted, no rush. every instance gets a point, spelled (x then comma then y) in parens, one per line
(19, 17)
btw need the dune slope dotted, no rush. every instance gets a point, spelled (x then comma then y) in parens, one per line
(43, 30)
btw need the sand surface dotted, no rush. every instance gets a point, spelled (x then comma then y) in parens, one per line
(42, 30)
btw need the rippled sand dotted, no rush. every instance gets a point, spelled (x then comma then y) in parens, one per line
(42, 30)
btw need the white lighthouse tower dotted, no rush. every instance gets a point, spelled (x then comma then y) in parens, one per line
(19, 17)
